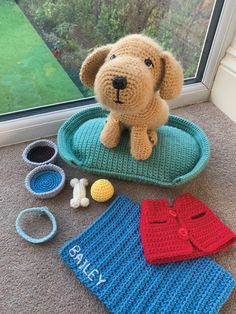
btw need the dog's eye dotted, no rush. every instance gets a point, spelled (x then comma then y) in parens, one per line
(149, 63)
(112, 57)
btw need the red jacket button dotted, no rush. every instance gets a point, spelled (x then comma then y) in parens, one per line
(183, 233)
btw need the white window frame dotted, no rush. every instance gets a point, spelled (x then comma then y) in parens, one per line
(47, 124)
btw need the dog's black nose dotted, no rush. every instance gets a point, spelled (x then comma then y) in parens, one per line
(119, 82)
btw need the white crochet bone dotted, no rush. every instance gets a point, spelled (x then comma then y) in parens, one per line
(79, 193)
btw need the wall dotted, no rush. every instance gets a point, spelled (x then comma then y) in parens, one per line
(223, 93)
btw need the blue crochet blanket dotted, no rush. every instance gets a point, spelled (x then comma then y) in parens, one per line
(108, 259)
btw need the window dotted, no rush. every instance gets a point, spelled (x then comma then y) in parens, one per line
(43, 43)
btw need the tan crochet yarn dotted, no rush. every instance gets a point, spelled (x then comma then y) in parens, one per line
(132, 78)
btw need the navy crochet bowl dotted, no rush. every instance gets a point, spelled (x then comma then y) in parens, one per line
(181, 153)
(40, 153)
(45, 181)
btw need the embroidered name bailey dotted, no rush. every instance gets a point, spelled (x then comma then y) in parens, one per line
(83, 264)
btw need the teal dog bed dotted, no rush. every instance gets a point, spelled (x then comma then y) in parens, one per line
(181, 153)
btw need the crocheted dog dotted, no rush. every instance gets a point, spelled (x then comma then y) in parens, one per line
(132, 78)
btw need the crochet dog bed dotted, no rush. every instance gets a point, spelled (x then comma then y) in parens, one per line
(181, 153)
(108, 259)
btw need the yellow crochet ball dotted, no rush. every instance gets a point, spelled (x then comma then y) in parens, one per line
(102, 190)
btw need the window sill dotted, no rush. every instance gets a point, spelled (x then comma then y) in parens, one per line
(47, 124)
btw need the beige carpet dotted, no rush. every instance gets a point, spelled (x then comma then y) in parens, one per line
(33, 279)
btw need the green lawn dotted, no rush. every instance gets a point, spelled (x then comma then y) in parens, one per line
(30, 75)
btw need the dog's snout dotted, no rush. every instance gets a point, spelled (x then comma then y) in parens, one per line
(119, 82)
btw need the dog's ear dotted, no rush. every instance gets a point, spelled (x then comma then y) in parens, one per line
(172, 77)
(92, 63)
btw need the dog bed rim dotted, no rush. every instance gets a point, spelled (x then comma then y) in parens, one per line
(97, 112)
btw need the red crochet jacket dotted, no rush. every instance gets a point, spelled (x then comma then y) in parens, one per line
(186, 230)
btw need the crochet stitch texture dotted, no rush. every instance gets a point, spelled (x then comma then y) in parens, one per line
(40, 211)
(131, 78)
(40, 152)
(181, 153)
(185, 230)
(102, 190)
(108, 259)
(45, 181)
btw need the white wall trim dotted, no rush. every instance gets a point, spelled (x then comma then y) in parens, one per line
(223, 92)
(47, 124)
(229, 61)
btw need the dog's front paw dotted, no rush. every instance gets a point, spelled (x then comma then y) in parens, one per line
(108, 139)
(141, 147)
(111, 133)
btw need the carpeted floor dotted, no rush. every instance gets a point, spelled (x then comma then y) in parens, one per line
(34, 280)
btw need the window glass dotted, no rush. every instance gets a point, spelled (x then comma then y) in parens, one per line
(43, 42)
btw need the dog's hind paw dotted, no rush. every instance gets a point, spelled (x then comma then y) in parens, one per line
(142, 153)
(153, 137)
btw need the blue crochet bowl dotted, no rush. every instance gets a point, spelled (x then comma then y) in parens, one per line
(181, 153)
(45, 181)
